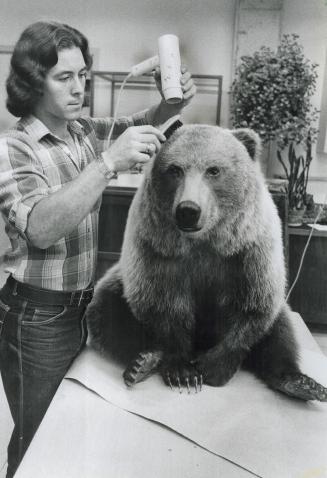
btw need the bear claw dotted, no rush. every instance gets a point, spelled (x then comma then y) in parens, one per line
(145, 364)
(303, 387)
(168, 381)
(197, 382)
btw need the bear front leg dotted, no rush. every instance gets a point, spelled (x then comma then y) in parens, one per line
(218, 365)
(236, 335)
(174, 338)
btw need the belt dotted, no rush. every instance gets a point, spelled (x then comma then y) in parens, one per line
(47, 296)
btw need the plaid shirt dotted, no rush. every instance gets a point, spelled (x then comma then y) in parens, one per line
(35, 163)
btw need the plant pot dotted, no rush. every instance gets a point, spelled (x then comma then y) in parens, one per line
(295, 217)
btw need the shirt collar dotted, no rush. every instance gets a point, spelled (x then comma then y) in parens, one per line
(34, 127)
(76, 127)
(38, 130)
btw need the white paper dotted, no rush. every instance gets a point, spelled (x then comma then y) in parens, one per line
(262, 431)
(92, 438)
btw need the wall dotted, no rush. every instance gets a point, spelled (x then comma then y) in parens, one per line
(264, 22)
(309, 20)
(257, 23)
(126, 31)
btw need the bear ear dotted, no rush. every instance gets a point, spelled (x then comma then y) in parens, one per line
(251, 141)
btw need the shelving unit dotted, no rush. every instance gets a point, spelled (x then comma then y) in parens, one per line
(104, 86)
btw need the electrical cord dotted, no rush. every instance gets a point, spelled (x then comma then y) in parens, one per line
(305, 248)
(117, 106)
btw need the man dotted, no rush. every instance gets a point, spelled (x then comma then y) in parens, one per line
(54, 166)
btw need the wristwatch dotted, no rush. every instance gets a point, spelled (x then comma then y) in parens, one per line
(107, 172)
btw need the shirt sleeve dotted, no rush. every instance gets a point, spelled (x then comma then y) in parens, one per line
(22, 182)
(102, 127)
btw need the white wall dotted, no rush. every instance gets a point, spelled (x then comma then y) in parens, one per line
(309, 20)
(126, 31)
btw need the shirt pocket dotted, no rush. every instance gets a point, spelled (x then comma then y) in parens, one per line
(4, 309)
(37, 314)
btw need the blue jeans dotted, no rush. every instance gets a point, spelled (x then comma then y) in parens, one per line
(38, 343)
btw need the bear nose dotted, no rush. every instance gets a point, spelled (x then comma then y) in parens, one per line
(187, 216)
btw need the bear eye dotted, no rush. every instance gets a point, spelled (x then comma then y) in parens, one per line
(175, 171)
(213, 171)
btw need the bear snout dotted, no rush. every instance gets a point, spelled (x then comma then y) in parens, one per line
(187, 216)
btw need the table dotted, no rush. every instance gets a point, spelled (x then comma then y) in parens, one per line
(84, 436)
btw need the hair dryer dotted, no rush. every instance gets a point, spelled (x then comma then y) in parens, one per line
(169, 61)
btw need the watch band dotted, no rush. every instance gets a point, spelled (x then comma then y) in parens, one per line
(107, 172)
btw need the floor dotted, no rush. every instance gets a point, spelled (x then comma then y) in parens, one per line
(6, 421)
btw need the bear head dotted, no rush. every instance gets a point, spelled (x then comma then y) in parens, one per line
(205, 181)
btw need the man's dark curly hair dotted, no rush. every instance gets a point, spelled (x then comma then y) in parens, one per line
(35, 53)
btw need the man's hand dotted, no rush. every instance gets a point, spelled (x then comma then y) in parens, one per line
(161, 113)
(136, 145)
(187, 85)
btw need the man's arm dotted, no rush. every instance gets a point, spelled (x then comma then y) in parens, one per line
(57, 214)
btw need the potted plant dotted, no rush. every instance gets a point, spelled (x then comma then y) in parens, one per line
(271, 93)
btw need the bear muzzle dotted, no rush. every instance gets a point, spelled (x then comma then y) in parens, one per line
(187, 216)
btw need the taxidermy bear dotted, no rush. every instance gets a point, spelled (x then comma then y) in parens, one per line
(200, 286)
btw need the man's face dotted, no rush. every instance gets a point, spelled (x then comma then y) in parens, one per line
(64, 86)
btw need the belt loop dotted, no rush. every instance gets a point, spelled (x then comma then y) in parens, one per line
(72, 298)
(80, 298)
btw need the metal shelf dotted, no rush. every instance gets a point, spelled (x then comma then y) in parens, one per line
(206, 84)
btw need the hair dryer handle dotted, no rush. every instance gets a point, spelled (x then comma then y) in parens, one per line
(145, 66)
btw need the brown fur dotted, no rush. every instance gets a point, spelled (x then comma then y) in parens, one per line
(201, 276)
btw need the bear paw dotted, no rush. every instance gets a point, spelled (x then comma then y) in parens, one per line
(217, 369)
(181, 374)
(145, 364)
(303, 387)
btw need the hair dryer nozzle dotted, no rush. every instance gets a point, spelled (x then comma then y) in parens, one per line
(145, 66)
(169, 61)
